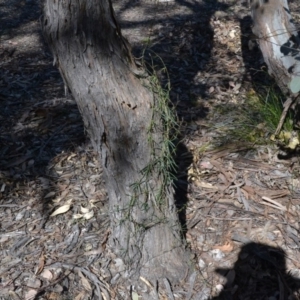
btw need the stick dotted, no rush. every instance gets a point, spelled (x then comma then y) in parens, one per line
(286, 106)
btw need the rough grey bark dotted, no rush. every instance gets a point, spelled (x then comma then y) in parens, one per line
(279, 42)
(118, 108)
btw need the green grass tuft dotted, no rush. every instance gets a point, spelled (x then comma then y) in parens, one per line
(252, 121)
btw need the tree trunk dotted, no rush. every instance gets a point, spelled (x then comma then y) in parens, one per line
(279, 42)
(127, 130)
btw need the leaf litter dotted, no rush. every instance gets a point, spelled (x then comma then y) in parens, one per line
(240, 194)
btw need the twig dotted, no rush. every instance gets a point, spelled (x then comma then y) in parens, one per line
(286, 106)
(169, 289)
(274, 203)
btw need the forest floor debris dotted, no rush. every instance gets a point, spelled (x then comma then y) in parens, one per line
(240, 202)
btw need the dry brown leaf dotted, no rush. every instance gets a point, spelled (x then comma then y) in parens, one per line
(89, 215)
(206, 165)
(192, 172)
(105, 239)
(41, 264)
(61, 210)
(81, 296)
(146, 281)
(232, 33)
(47, 274)
(62, 196)
(275, 203)
(71, 156)
(13, 295)
(84, 210)
(227, 247)
(94, 252)
(84, 282)
(54, 296)
(211, 89)
(205, 185)
(30, 295)
(92, 201)
(50, 194)
(3, 188)
(34, 283)
(77, 216)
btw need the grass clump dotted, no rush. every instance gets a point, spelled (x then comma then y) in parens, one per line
(254, 120)
(164, 123)
(270, 104)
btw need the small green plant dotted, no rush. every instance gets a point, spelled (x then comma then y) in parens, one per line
(254, 120)
(271, 106)
(147, 41)
(150, 193)
(164, 121)
(162, 134)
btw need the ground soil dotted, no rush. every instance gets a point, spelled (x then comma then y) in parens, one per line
(239, 201)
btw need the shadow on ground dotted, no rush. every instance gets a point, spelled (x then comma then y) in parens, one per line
(35, 129)
(16, 14)
(259, 273)
(181, 43)
(37, 121)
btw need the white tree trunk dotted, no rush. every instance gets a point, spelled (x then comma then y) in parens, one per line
(279, 42)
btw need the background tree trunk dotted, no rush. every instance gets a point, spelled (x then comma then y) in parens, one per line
(279, 42)
(121, 118)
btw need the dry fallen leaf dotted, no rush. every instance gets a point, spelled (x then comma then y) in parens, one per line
(92, 201)
(54, 296)
(71, 156)
(205, 185)
(41, 264)
(84, 210)
(206, 165)
(134, 296)
(89, 215)
(47, 274)
(62, 196)
(81, 296)
(77, 216)
(50, 194)
(85, 282)
(30, 295)
(211, 89)
(146, 281)
(61, 210)
(227, 247)
(232, 33)
(13, 295)
(34, 283)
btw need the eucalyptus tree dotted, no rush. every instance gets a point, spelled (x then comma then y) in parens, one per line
(126, 115)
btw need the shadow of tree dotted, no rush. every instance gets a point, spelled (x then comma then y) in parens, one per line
(59, 128)
(16, 13)
(37, 122)
(180, 42)
(260, 272)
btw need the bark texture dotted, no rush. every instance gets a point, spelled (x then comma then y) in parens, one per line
(117, 108)
(279, 42)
